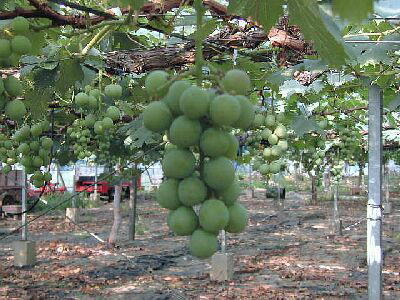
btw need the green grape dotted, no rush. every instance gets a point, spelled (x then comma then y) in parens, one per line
(47, 143)
(236, 82)
(82, 100)
(233, 147)
(174, 94)
(99, 127)
(213, 215)
(20, 25)
(167, 194)
(155, 80)
(107, 123)
(219, 173)
(247, 113)
(203, 244)
(113, 112)
(194, 102)
(157, 117)
(192, 191)
(231, 194)
(13, 86)
(113, 90)
(5, 48)
(185, 132)
(225, 110)
(183, 221)
(15, 109)
(238, 218)
(214, 142)
(259, 120)
(178, 163)
(36, 130)
(21, 45)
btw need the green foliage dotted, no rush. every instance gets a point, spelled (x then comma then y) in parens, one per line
(353, 11)
(266, 12)
(327, 41)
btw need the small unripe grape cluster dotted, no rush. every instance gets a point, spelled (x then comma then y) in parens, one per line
(197, 160)
(15, 42)
(269, 142)
(93, 133)
(29, 147)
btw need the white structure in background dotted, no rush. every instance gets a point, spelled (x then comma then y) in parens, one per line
(152, 177)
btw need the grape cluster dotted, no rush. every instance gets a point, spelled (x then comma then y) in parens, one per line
(92, 134)
(269, 142)
(15, 42)
(197, 160)
(29, 147)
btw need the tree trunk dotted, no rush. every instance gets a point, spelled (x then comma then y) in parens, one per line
(313, 189)
(360, 176)
(132, 210)
(117, 215)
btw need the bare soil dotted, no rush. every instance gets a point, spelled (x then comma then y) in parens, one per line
(289, 251)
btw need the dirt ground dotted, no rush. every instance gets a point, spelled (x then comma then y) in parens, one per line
(287, 252)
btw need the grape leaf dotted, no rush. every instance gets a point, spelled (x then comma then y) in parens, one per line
(394, 104)
(302, 125)
(316, 26)
(290, 87)
(265, 12)
(354, 11)
(70, 72)
(135, 4)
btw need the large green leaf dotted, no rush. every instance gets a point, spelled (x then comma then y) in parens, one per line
(302, 125)
(265, 12)
(316, 26)
(353, 10)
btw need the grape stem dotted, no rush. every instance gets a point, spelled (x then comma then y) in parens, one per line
(198, 5)
(96, 39)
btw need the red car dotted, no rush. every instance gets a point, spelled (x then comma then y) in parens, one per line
(86, 184)
(50, 188)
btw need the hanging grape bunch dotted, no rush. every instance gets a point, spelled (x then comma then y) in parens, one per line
(269, 142)
(197, 160)
(14, 42)
(92, 134)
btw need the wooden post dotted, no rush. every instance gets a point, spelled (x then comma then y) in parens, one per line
(313, 189)
(374, 212)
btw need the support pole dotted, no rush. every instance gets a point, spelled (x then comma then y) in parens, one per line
(95, 181)
(24, 236)
(374, 212)
(132, 208)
